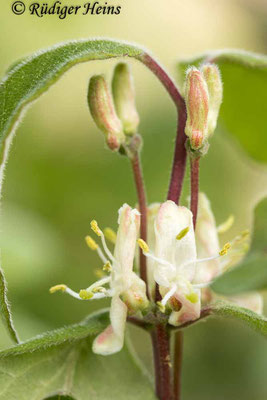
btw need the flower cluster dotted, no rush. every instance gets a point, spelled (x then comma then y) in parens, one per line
(172, 251)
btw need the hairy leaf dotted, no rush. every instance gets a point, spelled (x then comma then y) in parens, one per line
(251, 274)
(5, 309)
(243, 112)
(227, 310)
(62, 363)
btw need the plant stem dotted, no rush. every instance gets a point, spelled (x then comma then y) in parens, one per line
(194, 188)
(161, 343)
(141, 194)
(164, 78)
(177, 368)
(179, 160)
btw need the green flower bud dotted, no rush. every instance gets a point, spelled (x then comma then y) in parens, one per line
(197, 106)
(212, 76)
(124, 98)
(103, 112)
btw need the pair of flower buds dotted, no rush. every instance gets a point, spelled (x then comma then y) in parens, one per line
(116, 115)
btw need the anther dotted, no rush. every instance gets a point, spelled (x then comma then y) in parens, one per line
(95, 228)
(91, 243)
(183, 233)
(143, 245)
(107, 267)
(58, 288)
(85, 295)
(110, 235)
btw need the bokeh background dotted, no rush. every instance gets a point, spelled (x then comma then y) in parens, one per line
(60, 175)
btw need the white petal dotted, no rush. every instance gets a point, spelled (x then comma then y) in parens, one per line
(129, 222)
(253, 301)
(170, 221)
(151, 240)
(112, 338)
(207, 242)
(189, 311)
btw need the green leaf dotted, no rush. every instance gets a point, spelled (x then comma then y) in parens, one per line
(251, 274)
(243, 111)
(228, 310)
(5, 309)
(61, 362)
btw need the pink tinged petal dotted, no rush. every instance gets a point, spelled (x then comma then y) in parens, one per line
(129, 223)
(207, 242)
(170, 221)
(111, 340)
(253, 301)
(188, 312)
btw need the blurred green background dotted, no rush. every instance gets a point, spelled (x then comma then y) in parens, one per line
(60, 175)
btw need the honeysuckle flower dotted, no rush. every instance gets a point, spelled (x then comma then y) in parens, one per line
(175, 262)
(127, 290)
(207, 243)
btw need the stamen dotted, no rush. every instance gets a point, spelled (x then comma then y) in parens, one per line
(110, 235)
(91, 243)
(225, 249)
(183, 233)
(85, 295)
(143, 245)
(99, 289)
(65, 289)
(101, 282)
(99, 273)
(102, 255)
(225, 226)
(95, 228)
(106, 247)
(161, 307)
(107, 267)
(58, 288)
(160, 260)
(168, 295)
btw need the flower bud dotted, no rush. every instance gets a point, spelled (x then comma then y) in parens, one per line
(212, 76)
(103, 112)
(197, 106)
(124, 98)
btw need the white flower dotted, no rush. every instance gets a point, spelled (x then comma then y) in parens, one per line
(127, 290)
(174, 261)
(208, 243)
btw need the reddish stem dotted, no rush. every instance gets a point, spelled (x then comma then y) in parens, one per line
(164, 78)
(194, 188)
(162, 344)
(179, 160)
(177, 369)
(138, 177)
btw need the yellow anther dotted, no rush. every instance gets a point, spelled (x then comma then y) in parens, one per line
(85, 295)
(58, 288)
(161, 307)
(225, 249)
(95, 228)
(99, 273)
(110, 235)
(182, 234)
(192, 297)
(99, 289)
(91, 243)
(143, 245)
(225, 226)
(107, 267)
(245, 233)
